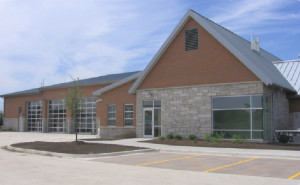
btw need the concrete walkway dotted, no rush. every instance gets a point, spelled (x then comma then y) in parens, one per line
(282, 154)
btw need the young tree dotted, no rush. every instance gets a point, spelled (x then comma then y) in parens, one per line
(72, 101)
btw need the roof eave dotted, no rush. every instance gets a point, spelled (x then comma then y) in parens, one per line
(116, 84)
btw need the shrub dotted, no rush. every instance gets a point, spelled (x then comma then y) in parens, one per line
(192, 137)
(208, 137)
(220, 136)
(170, 136)
(215, 138)
(238, 139)
(178, 137)
(161, 137)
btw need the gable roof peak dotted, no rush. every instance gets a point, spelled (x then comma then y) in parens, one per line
(259, 63)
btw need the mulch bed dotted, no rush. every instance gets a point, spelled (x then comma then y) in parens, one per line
(75, 148)
(226, 144)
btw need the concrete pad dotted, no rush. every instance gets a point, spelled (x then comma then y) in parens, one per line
(20, 168)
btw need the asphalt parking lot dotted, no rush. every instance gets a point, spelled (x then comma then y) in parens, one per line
(264, 167)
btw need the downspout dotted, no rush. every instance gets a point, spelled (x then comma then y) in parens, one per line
(273, 115)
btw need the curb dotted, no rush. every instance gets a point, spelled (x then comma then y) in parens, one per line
(63, 155)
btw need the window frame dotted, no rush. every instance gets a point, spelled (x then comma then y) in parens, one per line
(110, 112)
(128, 112)
(250, 108)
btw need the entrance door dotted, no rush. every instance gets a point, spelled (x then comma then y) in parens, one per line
(152, 122)
(148, 122)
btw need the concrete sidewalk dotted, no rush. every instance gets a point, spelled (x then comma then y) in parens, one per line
(282, 154)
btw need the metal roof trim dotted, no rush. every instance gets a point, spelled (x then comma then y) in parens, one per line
(116, 84)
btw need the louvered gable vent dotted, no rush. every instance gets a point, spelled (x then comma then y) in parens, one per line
(191, 39)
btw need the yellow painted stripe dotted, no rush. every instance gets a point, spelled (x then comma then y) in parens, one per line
(145, 164)
(229, 165)
(297, 174)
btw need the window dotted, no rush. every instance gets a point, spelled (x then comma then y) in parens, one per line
(87, 115)
(56, 116)
(191, 39)
(111, 115)
(34, 116)
(239, 115)
(128, 115)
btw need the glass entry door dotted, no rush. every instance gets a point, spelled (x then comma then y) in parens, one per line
(152, 122)
(148, 122)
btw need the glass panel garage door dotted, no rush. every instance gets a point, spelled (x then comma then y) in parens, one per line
(34, 116)
(87, 116)
(57, 116)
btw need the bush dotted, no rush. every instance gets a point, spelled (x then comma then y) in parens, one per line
(170, 136)
(6, 129)
(161, 137)
(215, 138)
(192, 137)
(178, 137)
(238, 139)
(220, 136)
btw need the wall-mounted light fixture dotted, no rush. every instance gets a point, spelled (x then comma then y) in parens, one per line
(148, 93)
(99, 100)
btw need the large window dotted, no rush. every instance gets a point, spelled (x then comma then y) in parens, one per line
(56, 116)
(87, 115)
(239, 115)
(34, 116)
(128, 115)
(111, 115)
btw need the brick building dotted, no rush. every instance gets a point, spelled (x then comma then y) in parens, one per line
(203, 79)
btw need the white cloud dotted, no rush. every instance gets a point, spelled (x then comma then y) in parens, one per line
(51, 39)
(255, 15)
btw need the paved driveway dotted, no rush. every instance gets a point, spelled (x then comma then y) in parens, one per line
(20, 168)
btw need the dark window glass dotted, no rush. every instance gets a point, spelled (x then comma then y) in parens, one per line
(257, 135)
(257, 119)
(257, 101)
(231, 119)
(157, 103)
(231, 134)
(231, 102)
(148, 104)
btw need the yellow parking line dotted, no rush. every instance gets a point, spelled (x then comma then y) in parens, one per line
(229, 165)
(145, 164)
(297, 174)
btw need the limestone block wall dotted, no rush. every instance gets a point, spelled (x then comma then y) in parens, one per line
(117, 132)
(295, 120)
(11, 123)
(281, 111)
(188, 110)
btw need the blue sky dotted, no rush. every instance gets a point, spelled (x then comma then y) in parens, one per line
(52, 39)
